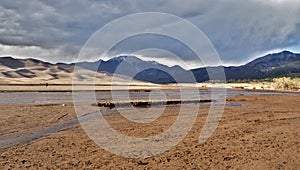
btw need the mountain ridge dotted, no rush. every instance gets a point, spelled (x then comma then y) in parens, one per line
(284, 63)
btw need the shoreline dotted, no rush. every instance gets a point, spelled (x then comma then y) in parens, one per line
(131, 89)
(65, 87)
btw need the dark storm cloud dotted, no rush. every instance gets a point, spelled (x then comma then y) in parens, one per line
(239, 29)
(56, 30)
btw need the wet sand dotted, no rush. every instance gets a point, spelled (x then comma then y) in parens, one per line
(262, 133)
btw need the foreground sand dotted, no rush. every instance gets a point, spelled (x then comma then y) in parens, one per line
(263, 133)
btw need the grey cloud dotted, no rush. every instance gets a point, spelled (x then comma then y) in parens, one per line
(255, 26)
(238, 29)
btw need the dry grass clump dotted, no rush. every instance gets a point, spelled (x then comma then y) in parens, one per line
(286, 83)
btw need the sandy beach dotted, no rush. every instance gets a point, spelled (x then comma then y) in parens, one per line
(261, 133)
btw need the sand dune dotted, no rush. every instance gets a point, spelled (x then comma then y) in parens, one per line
(35, 72)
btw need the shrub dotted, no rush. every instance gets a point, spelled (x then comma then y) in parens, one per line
(285, 83)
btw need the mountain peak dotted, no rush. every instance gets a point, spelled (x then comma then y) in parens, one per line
(129, 58)
(274, 59)
(132, 60)
(283, 54)
(285, 51)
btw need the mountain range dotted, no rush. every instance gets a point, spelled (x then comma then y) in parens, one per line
(274, 65)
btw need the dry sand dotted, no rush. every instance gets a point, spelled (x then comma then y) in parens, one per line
(263, 133)
(36, 76)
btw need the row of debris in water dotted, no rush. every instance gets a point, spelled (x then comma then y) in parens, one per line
(146, 103)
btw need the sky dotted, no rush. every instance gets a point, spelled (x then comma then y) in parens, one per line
(240, 31)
